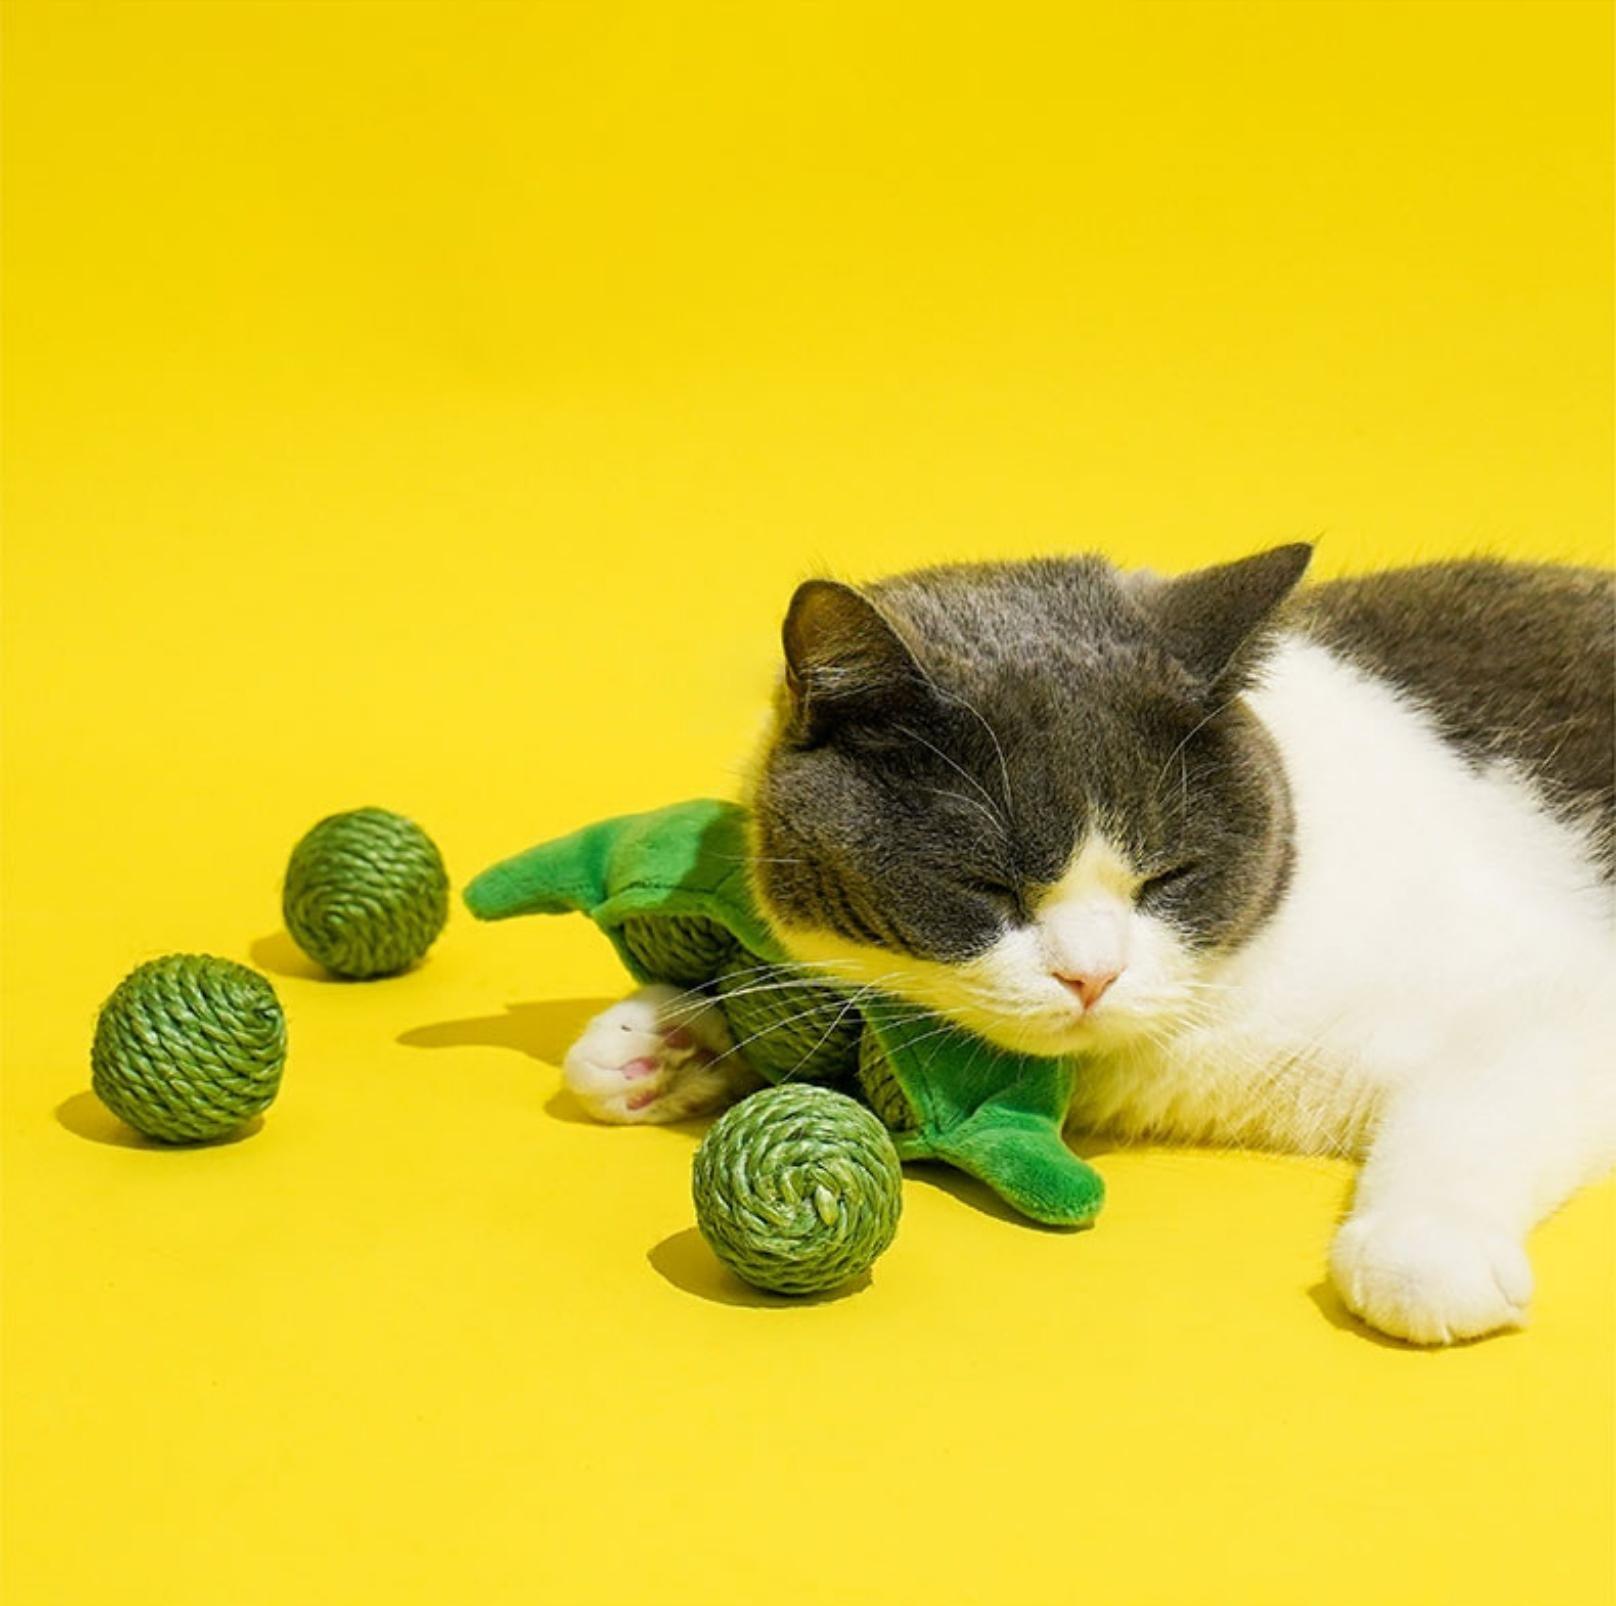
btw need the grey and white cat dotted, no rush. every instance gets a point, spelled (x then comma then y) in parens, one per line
(1325, 870)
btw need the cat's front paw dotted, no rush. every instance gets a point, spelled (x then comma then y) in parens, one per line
(1429, 1277)
(659, 1055)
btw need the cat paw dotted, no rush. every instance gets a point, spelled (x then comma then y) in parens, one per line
(1430, 1278)
(659, 1055)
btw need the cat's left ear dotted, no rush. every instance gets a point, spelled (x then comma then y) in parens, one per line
(846, 663)
(1212, 620)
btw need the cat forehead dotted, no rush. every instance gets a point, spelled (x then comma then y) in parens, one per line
(976, 601)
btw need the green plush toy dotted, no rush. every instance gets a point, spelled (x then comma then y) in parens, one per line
(669, 888)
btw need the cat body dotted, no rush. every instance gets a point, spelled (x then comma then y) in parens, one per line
(1325, 870)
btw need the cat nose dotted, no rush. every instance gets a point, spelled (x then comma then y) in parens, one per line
(1089, 985)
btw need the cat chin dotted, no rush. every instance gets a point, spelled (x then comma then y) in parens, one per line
(1097, 1035)
(1015, 1036)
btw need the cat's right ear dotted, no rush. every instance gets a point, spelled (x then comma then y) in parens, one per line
(1215, 620)
(845, 661)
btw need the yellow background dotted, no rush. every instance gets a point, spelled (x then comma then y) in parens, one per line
(433, 405)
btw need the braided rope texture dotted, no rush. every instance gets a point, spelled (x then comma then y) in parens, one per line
(687, 950)
(365, 894)
(189, 1048)
(879, 1085)
(797, 1189)
(789, 1028)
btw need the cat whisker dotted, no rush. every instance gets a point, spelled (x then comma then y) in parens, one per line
(773, 1026)
(981, 808)
(954, 764)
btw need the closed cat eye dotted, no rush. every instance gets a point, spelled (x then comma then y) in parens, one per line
(1164, 879)
(1000, 892)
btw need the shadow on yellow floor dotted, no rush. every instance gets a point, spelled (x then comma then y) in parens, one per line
(1330, 1307)
(978, 1195)
(280, 956)
(683, 1259)
(276, 953)
(543, 1030)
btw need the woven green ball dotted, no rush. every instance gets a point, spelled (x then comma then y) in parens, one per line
(787, 1028)
(683, 949)
(879, 1084)
(366, 893)
(797, 1189)
(189, 1048)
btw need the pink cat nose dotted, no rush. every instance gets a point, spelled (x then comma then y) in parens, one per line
(1089, 985)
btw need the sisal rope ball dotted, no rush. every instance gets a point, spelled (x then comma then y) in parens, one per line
(686, 950)
(879, 1084)
(189, 1048)
(366, 893)
(797, 1189)
(786, 1027)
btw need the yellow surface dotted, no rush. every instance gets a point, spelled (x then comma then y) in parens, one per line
(433, 406)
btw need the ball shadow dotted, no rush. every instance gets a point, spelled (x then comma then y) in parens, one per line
(280, 956)
(85, 1116)
(684, 1260)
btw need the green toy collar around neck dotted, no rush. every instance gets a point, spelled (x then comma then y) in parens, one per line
(670, 889)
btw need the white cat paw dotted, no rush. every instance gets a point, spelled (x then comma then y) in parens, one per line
(659, 1055)
(1430, 1278)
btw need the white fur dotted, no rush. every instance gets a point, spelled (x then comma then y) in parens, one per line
(660, 1055)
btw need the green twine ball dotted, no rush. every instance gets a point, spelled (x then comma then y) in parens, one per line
(786, 1028)
(879, 1084)
(366, 893)
(189, 1048)
(797, 1189)
(686, 950)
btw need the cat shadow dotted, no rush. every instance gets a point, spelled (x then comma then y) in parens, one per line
(683, 1259)
(85, 1116)
(1335, 1312)
(542, 1030)
(563, 1105)
(1089, 1145)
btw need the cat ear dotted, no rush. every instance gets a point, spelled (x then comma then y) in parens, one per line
(844, 660)
(1212, 618)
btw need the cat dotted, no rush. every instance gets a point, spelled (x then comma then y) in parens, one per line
(1322, 868)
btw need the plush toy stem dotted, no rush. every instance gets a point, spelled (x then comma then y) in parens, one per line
(996, 1115)
(699, 854)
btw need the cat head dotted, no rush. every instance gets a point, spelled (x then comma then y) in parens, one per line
(1029, 796)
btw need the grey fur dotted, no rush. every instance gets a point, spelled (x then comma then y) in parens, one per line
(946, 738)
(1512, 661)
